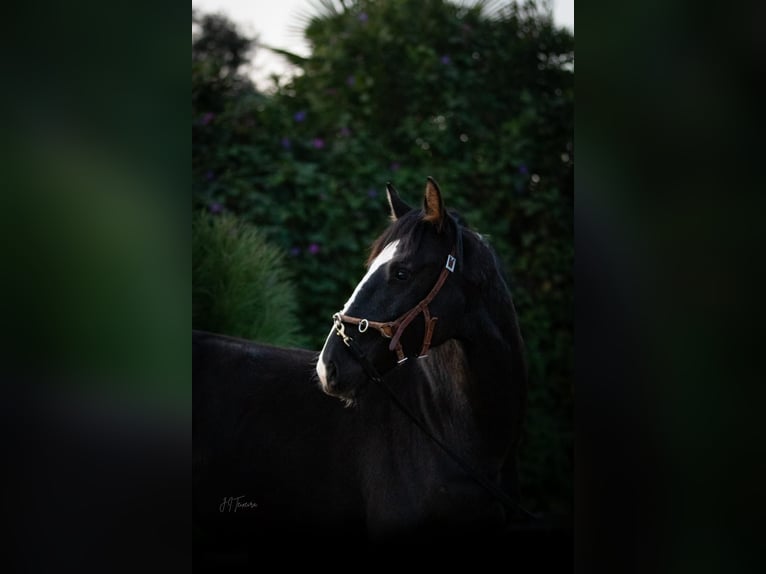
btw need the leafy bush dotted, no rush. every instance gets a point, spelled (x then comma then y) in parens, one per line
(240, 286)
(480, 97)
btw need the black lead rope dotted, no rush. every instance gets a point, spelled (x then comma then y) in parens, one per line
(489, 486)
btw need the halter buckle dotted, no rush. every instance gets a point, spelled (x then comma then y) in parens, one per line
(450, 263)
(363, 325)
(340, 329)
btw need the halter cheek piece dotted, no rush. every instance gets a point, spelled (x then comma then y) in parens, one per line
(395, 329)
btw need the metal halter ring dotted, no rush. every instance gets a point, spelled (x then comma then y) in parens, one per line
(363, 325)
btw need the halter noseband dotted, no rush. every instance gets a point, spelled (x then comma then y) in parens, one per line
(395, 329)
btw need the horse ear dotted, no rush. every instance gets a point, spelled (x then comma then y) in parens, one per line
(433, 206)
(398, 207)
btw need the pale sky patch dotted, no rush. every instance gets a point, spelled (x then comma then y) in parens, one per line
(277, 23)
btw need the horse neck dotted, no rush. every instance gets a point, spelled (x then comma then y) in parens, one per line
(400, 466)
(494, 353)
(459, 392)
(494, 349)
(441, 396)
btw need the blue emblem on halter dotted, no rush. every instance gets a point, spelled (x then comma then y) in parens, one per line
(450, 263)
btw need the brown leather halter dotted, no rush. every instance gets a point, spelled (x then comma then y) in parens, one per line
(395, 329)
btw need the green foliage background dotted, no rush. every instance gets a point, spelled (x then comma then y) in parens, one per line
(240, 285)
(480, 97)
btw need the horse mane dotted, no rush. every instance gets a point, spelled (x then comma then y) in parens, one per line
(487, 272)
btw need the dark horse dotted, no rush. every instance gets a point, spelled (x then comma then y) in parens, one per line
(274, 456)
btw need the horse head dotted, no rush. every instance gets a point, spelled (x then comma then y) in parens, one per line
(412, 297)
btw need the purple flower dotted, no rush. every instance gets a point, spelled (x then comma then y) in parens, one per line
(207, 118)
(344, 132)
(299, 116)
(318, 143)
(445, 60)
(363, 17)
(286, 143)
(314, 248)
(395, 166)
(350, 81)
(215, 207)
(209, 175)
(372, 192)
(295, 251)
(523, 169)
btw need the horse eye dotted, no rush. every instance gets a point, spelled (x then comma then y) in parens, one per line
(402, 274)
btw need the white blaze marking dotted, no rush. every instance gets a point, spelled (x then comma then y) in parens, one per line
(383, 257)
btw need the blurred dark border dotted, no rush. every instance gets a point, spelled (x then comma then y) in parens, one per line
(95, 289)
(668, 196)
